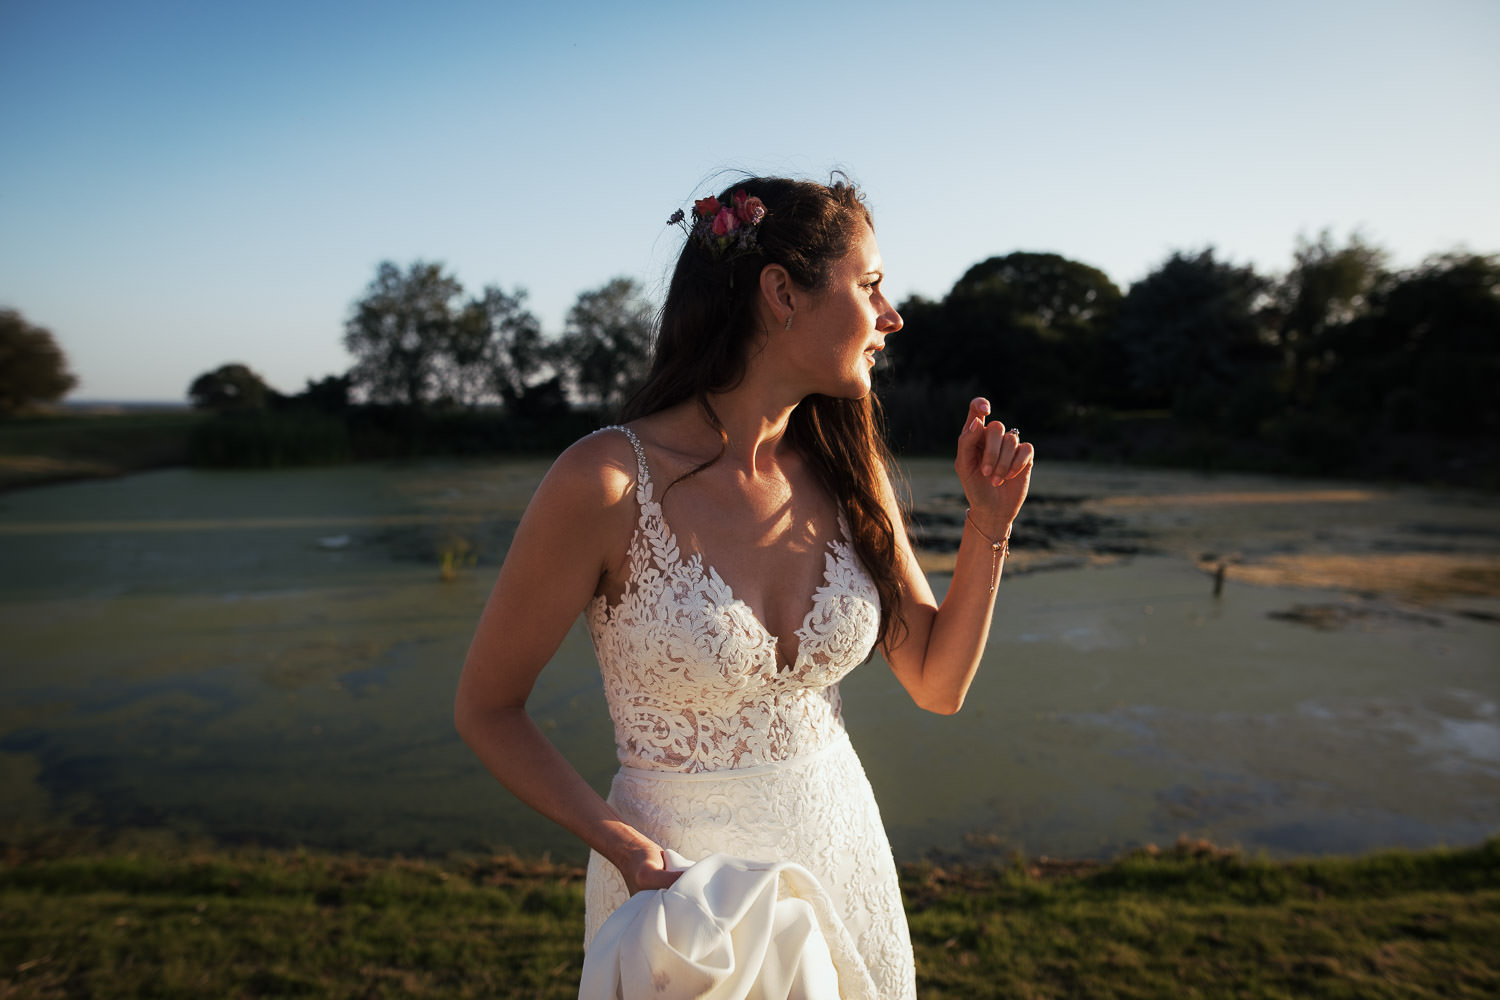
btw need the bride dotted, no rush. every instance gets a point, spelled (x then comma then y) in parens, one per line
(737, 548)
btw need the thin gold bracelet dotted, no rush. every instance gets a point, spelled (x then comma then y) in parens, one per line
(998, 550)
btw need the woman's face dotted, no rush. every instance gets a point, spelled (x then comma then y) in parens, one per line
(836, 336)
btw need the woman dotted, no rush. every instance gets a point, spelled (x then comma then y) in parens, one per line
(737, 548)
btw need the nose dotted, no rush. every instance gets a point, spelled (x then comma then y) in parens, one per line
(889, 320)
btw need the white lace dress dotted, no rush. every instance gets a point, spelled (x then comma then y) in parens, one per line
(721, 751)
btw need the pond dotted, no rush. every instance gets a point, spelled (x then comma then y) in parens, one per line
(271, 657)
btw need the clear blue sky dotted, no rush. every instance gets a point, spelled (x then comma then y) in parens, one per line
(188, 184)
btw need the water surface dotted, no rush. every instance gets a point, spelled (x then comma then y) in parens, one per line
(272, 656)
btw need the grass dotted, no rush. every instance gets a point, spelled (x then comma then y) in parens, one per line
(1194, 922)
(52, 448)
(1205, 923)
(49, 448)
(288, 924)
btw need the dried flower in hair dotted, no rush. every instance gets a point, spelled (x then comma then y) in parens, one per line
(724, 231)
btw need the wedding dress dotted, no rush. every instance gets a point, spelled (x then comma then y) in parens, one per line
(727, 930)
(721, 751)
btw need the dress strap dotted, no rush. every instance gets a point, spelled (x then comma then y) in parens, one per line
(642, 474)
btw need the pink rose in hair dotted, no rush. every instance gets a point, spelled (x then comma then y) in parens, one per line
(706, 208)
(725, 223)
(750, 210)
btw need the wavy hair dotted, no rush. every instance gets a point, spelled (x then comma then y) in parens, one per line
(708, 329)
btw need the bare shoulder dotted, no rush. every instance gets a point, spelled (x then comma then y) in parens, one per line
(595, 475)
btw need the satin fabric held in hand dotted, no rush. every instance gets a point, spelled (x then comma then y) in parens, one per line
(728, 929)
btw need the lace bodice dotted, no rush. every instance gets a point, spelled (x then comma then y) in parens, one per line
(691, 674)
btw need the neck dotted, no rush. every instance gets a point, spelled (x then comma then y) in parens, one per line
(755, 415)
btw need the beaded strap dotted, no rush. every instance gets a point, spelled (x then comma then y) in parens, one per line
(643, 476)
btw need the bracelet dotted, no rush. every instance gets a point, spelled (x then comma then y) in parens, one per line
(998, 550)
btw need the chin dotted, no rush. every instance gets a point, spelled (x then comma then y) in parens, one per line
(854, 390)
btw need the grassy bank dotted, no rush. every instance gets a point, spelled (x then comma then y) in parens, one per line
(1193, 922)
(55, 448)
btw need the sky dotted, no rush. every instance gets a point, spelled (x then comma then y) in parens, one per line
(184, 185)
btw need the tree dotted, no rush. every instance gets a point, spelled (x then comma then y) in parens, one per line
(1327, 288)
(607, 346)
(230, 387)
(1027, 328)
(417, 342)
(329, 394)
(33, 368)
(1194, 339)
(1426, 353)
(399, 332)
(500, 342)
(1057, 294)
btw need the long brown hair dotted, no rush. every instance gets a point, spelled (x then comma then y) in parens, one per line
(708, 328)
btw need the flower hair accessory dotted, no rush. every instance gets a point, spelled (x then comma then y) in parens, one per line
(725, 231)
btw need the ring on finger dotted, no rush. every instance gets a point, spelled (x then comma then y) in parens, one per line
(1016, 431)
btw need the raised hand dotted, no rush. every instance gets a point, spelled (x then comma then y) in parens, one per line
(994, 465)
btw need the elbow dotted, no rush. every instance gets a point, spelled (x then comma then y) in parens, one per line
(463, 720)
(469, 719)
(947, 704)
(478, 722)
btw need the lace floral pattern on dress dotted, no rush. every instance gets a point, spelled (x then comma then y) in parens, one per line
(691, 674)
(817, 811)
(724, 752)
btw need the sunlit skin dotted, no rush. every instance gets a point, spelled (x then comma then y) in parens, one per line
(834, 339)
(758, 515)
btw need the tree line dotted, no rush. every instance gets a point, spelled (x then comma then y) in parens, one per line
(1303, 365)
(1340, 340)
(438, 370)
(422, 345)
(1314, 364)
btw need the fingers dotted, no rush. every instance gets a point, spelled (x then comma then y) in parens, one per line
(1008, 443)
(1006, 455)
(979, 411)
(999, 452)
(647, 870)
(994, 442)
(1021, 461)
(996, 453)
(656, 879)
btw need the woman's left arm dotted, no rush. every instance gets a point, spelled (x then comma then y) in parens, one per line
(938, 655)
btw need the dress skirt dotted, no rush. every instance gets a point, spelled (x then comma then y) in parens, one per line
(817, 810)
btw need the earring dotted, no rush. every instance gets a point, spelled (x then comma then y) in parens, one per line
(789, 322)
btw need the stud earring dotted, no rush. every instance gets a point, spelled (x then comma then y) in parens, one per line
(789, 322)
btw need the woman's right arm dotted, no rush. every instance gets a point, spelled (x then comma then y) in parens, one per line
(575, 529)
